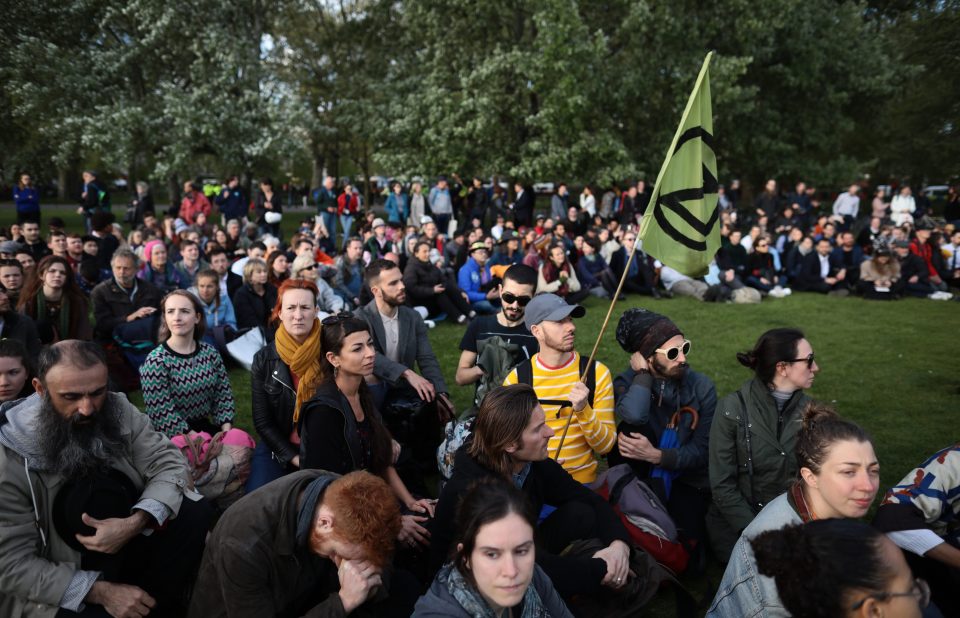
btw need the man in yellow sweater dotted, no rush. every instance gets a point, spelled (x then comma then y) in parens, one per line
(556, 371)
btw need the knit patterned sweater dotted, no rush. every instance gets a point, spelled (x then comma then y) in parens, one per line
(179, 387)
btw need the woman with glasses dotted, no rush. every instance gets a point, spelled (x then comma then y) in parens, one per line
(838, 567)
(281, 379)
(838, 478)
(341, 430)
(185, 384)
(54, 301)
(306, 268)
(755, 431)
(762, 270)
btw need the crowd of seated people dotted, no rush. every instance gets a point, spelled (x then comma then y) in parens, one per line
(104, 512)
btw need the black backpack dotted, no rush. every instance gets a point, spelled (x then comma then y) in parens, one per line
(525, 376)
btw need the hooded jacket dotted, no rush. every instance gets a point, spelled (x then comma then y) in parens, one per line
(37, 568)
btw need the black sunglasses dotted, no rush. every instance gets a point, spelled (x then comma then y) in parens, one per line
(808, 360)
(509, 298)
(336, 318)
(311, 267)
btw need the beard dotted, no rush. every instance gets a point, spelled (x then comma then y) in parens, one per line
(513, 314)
(397, 300)
(79, 446)
(671, 373)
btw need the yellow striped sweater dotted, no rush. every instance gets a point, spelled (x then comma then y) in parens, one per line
(593, 430)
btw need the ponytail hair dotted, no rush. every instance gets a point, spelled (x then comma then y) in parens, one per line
(832, 564)
(822, 428)
(774, 346)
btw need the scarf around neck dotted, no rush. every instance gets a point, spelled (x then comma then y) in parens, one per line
(303, 360)
(63, 325)
(474, 604)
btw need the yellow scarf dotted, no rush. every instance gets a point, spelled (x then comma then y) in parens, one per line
(303, 360)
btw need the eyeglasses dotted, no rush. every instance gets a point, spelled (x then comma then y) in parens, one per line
(509, 299)
(336, 318)
(674, 352)
(311, 267)
(920, 591)
(808, 360)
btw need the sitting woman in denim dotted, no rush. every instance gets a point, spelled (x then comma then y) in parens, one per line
(839, 478)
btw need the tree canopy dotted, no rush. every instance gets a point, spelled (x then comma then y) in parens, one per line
(537, 90)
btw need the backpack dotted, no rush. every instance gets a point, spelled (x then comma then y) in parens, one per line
(525, 376)
(219, 465)
(103, 200)
(643, 515)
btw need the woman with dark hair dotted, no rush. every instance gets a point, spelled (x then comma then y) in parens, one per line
(493, 570)
(754, 432)
(16, 371)
(838, 567)
(158, 270)
(185, 385)
(268, 209)
(428, 286)
(255, 299)
(557, 276)
(26, 199)
(340, 428)
(278, 268)
(838, 478)
(54, 300)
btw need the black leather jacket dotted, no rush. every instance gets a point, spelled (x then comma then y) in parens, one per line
(274, 398)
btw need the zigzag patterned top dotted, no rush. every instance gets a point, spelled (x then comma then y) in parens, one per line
(178, 387)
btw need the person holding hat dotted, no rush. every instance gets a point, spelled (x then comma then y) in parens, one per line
(476, 281)
(657, 390)
(98, 515)
(554, 372)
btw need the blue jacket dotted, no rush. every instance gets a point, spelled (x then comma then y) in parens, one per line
(232, 203)
(27, 199)
(397, 207)
(645, 401)
(588, 271)
(218, 316)
(470, 278)
(836, 257)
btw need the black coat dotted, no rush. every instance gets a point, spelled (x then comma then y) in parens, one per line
(273, 399)
(419, 279)
(253, 309)
(112, 305)
(546, 483)
(329, 439)
(809, 274)
(22, 328)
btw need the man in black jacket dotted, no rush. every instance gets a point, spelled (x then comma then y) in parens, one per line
(309, 544)
(817, 274)
(523, 206)
(509, 440)
(122, 298)
(914, 274)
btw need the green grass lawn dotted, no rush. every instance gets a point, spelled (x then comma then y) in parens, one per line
(889, 366)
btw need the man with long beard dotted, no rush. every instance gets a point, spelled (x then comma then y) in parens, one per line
(94, 520)
(660, 389)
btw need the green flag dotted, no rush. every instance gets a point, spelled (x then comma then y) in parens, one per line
(680, 227)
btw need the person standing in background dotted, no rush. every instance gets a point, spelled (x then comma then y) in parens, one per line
(27, 200)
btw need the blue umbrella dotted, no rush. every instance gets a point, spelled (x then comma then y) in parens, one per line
(669, 439)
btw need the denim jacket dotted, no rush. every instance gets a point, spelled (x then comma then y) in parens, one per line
(744, 593)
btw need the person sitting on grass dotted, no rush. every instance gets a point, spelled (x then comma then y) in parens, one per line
(185, 384)
(55, 303)
(15, 371)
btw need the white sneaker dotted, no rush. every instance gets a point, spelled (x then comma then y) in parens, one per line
(787, 291)
(430, 323)
(776, 292)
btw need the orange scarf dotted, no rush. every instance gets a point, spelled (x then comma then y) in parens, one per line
(303, 360)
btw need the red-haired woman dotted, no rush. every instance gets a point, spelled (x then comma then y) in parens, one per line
(282, 377)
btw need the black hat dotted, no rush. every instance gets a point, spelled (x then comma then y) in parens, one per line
(644, 331)
(509, 235)
(100, 495)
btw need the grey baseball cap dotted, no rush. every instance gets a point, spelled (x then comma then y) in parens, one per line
(549, 308)
(9, 247)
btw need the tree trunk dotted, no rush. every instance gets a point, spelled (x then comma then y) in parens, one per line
(62, 175)
(316, 177)
(173, 186)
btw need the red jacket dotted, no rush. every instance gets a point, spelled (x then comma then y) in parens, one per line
(189, 209)
(926, 252)
(344, 199)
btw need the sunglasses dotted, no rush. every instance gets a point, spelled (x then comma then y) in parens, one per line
(674, 352)
(808, 360)
(336, 318)
(311, 267)
(509, 299)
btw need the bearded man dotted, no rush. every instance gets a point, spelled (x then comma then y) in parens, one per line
(91, 499)
(660, 389)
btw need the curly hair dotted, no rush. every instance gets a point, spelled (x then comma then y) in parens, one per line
(365, 513)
